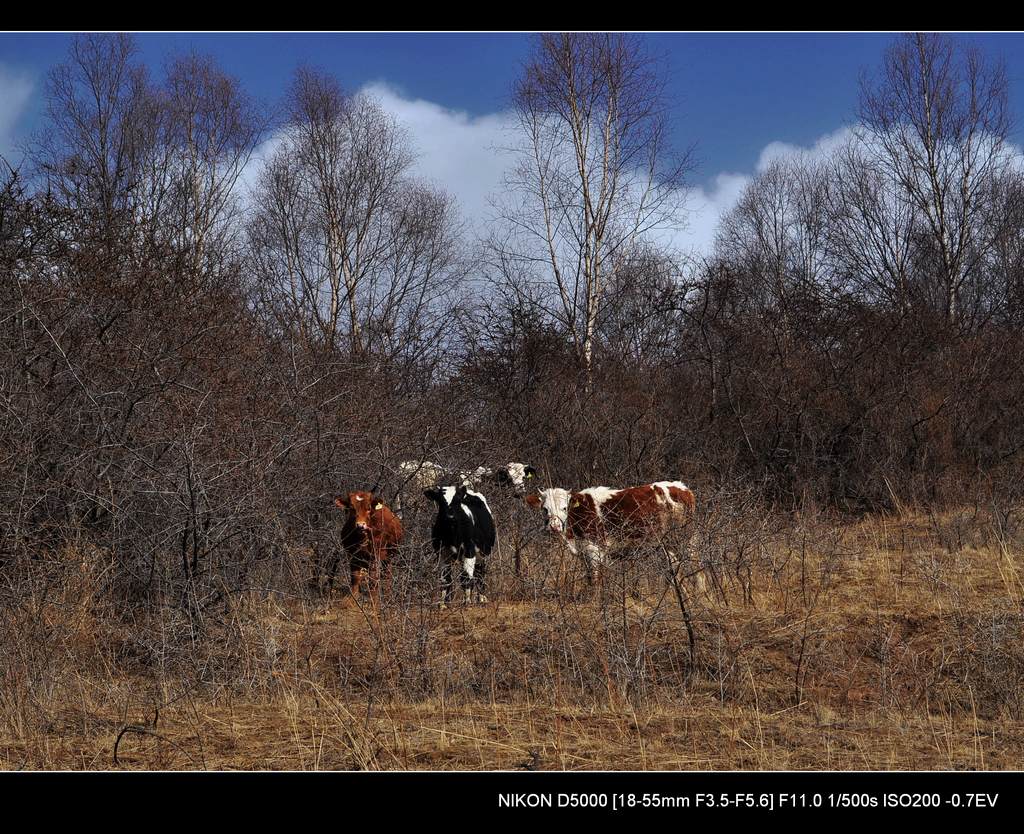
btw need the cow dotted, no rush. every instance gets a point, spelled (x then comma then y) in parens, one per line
(463, 532)
(421, 475)
(512, 475)
(593, 519)
(370, 535)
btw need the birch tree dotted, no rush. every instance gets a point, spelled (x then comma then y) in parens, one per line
(348, 244)
(213, 128)
(937, 121)
(593, 175)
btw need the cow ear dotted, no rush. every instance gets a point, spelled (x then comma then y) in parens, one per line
(533, 500)
(432, 494)
(530, 471)
(341, 501)
(378, 506)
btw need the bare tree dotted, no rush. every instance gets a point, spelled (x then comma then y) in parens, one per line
(937, 122)
(213, 129)
(1003, 269)
(778, 231)
(871, 228)
(640, 307)
(101, 132)
(593, 171)
(346, 240)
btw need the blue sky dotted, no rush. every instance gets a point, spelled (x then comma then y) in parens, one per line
(734, 95)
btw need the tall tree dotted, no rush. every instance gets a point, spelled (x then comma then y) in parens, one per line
(776, 233)
(594, 172)
(348, 243)
(871, 228)
(937, 121)
(213, 128)
(101, 131)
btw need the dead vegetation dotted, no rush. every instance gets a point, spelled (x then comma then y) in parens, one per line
(895, 642)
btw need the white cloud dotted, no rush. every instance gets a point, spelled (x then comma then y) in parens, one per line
(455, 151)
(462, 154)
(15, 92)
(458, 152)
(822, 148)
(249, 177)
(706, 206)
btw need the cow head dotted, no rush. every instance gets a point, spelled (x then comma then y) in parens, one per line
(440, 496)
(554, 503)
(451, 514)
(516, 475)
(360, 505)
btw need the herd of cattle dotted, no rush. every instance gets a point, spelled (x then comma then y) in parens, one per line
(589, 522)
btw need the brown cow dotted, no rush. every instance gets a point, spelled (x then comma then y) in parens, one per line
(370, 535)
(593, 519)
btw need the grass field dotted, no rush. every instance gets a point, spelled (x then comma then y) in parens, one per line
(892, 643)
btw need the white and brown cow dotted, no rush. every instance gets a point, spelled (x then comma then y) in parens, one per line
(594, 521)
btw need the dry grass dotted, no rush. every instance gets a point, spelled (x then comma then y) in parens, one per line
(886, 644)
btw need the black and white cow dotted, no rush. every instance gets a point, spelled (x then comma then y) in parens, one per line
(517, 476)
(463, 532)
(419, 475)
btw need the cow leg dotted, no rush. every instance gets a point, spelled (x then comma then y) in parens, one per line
(468, 569)
(446, 581)
(592, 561)
(374, 582)
(600, 580)
(564, 578)
(588, 567)
(332, 569)
(687, 566)
(358, 575)
(700, 584)
(599, 569)
(481, 580)
(671, 567)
